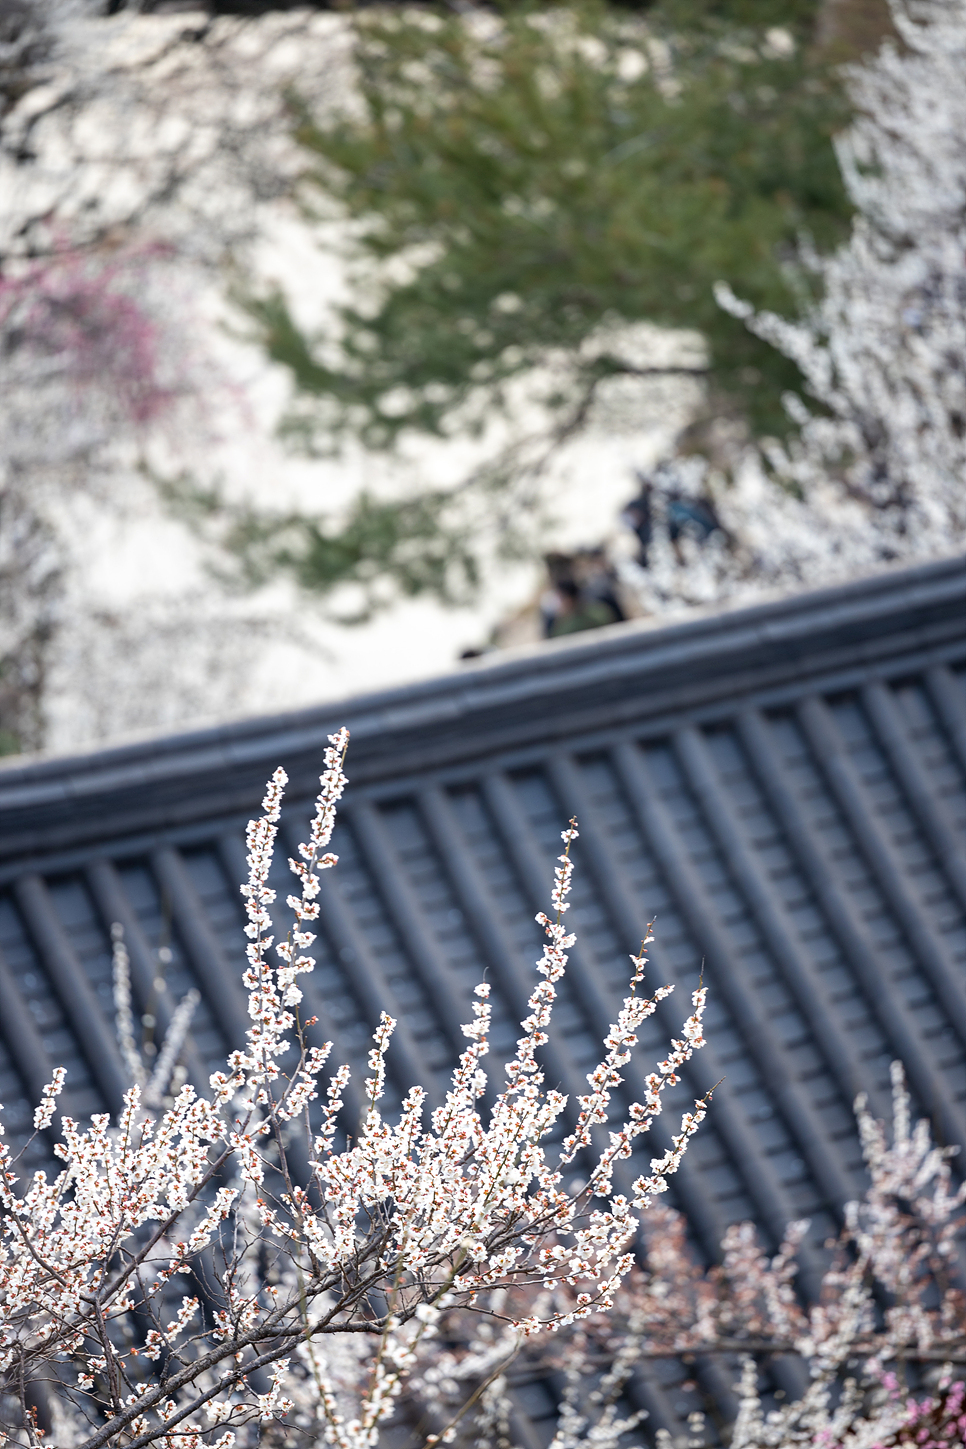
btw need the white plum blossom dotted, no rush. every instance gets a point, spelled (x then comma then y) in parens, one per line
(283, 1239)
(186, 1278)
(891, 1300)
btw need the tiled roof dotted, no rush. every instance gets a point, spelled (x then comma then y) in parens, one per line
(783, 788)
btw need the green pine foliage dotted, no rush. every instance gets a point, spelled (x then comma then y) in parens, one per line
(541, 177)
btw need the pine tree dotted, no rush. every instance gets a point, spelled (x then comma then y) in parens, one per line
(526, 187)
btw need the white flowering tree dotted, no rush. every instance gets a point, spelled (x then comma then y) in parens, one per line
(138, 153)
(209, 1268)
(184, 1267)
(883, 1346)
(874, 471)
(892, 1300)
(97, 382)
(83, 375)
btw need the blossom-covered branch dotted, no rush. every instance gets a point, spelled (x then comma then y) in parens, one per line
(183, 1268)
(884, 1344)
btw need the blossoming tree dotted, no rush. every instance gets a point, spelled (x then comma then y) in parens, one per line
(184, 1265)
(84, 374)
(138, 153)
(875, 473)
(872, 471)
(876, 1361)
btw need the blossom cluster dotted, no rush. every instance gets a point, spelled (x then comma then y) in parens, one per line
(193, 1259)
(884, 1344)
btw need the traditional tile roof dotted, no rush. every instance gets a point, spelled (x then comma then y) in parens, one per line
(782, 787)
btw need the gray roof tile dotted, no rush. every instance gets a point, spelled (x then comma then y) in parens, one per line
(784, 788)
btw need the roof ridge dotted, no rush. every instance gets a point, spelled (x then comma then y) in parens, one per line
(488, 705)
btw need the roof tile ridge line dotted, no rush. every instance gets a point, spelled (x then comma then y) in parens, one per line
(925, 578)
(923, 581)
(535, 873)
(796, 616)
(224, 813)
(948, 708)
(366, 980)
(753, 883)
(482, 915)
(651, 820)
(855, 945)
(232, 856)
(850, 794)
(748, 630)
(157, 758)
(25, 1045)
(111, 904)
(719, 709)
(890, 727)
(73, 989)
(853, 599)
(592, 654)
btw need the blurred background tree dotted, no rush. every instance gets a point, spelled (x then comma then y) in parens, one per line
(138, 154)
(512, 224)
(525, 189)
(548, 173)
